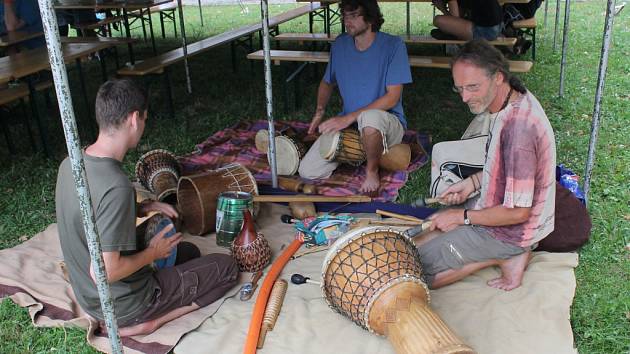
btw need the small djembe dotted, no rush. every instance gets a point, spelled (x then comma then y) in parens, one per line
(250, 249)
(158, 171)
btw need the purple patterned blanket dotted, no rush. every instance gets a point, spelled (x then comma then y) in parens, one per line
(236, 144)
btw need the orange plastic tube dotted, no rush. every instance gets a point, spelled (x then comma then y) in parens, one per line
(263, 296)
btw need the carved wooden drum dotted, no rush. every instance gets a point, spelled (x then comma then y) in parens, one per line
(197, 195)
(373, 276)
(344, 146)
(158, 171)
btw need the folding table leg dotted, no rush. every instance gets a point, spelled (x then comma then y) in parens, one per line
(7, 134)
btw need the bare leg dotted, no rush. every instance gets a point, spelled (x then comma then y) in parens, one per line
(512, 270)
(456, 26)
(152, 325)
(373, 145)
(452, 275)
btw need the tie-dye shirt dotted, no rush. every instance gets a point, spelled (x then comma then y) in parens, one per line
(520, 169)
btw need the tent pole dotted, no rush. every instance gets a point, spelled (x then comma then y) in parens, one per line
(264, 7)
(555, 25)
(601, 78)
(64, 99)
(182, 28)
(565, 44)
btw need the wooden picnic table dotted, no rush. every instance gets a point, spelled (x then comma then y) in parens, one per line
(16, 37)
(129, 5)
(27, 63)
(328, 20)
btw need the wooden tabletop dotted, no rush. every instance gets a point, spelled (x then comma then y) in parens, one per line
(15, 37)
(34, 60)
(107, 4)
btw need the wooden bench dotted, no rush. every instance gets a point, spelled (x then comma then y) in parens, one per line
(99, 26)
(528, 26)
(166, 12)
(305, 57)
(323, 37)
(153, 64)
(159, 64)
(416, 61)
(15, 93)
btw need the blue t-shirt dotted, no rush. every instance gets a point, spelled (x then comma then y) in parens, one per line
(363, 77)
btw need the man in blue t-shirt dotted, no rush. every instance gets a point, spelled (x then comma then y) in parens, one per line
(370, 68)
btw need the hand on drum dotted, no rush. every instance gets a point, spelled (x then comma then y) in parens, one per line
(446, 220)
(457, 193)
(335, 124)
(161, 245)
(163, 208)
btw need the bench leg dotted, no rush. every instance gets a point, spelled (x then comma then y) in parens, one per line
(151, 31)
(128, 34)
(169, 93)
(534, 44)
(101, 59)
(174, 23)
(38, 120)
(7, 134)
(162, 24)
(88, 111)
(27, 124)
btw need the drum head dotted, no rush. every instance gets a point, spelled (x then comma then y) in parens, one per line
(262, 140)
(287, 156)
(328, 145)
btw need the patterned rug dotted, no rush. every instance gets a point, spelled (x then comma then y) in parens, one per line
(236, 144)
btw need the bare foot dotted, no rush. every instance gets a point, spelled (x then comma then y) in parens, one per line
(512, 270)
(371, 183)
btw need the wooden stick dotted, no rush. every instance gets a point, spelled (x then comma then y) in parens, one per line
(394, 222)
(311, 198)
(398, 216)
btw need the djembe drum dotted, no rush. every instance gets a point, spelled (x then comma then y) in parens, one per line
(158, 171)
(344, 146)
(374, 277)
(289, 151)
(197, 195)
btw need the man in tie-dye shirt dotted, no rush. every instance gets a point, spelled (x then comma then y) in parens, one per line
(515, 207)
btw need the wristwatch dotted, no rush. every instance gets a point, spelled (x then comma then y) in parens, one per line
(466, 219)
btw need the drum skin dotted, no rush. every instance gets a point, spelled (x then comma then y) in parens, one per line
(373, 276)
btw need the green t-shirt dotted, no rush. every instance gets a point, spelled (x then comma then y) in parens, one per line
(114, 203)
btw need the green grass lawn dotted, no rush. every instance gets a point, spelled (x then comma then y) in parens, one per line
(600, 314)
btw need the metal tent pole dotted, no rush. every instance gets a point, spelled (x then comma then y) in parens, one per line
(264, 7)
(545, 20)
(64, 99)
(565, 44)
(555, 25)
(200, 12)
(182, 28)
(601, 79)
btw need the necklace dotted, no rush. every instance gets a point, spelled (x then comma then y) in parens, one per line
(494, 121)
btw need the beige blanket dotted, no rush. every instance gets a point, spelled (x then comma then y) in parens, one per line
(530, 319)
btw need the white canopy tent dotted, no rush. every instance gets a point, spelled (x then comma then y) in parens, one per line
(64, 99)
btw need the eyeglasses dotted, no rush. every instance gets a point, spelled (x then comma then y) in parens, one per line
(469, 88)
(351, 15)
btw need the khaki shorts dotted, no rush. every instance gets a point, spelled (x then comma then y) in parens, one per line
(313, 166)
(464, 245)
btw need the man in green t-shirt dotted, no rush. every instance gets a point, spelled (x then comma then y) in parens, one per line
(143, 299)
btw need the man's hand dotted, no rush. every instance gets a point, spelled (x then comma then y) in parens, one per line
(457, 193)
(152, 205)
(447, 220)
(317, 118)
(336, 124)
(162, 246)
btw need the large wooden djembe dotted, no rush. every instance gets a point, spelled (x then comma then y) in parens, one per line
(373, 276)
